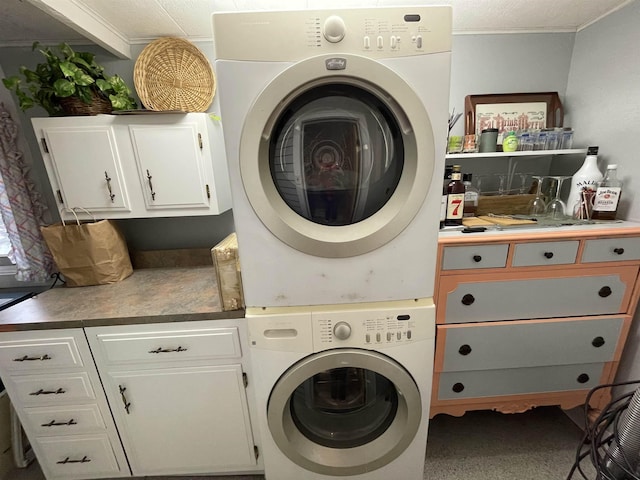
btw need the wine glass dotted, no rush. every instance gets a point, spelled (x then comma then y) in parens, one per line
(556, 208)
(523, 182)
(537, 206)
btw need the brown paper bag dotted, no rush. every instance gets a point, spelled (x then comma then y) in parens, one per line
(93, 253)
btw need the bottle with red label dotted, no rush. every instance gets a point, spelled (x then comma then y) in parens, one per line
(607, 198)
(455, 198)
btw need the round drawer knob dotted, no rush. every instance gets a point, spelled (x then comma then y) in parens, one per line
(619, 251)
(548, 254)
(604, 292)
(583, 378)
(458, 387)
(468, 299)
(598, 342)
(464, 350)
(342, 330)
(477, 258)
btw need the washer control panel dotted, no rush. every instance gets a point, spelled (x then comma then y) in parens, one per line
(372, 328)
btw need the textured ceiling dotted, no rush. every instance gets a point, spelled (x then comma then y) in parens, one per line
(127, 22)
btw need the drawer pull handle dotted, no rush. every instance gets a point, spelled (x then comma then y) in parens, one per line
(153, 193)
(48, 392)
(168, 350)
(548, 255)
(468, 299)
(53, 423)
(457, 387)
(124, 398)
(84, 459)
(598, 342)
(464, 350)
(27, 358)
(108, 179)
(477, 258)
(583, 378)
(604, 292)
(619, 251)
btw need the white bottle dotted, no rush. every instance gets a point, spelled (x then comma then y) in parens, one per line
(587, 176)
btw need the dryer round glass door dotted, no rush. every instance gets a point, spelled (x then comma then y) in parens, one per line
(337, 163)
(344, 411)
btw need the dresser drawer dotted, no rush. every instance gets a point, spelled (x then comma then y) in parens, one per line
(62, 420)
(533, 343)
(545, 253)
(169, 345)
(510, 296)
(77, 456)
(53, 389)
(517, 381)
(18, 355)
(474, 256)
(611, 250)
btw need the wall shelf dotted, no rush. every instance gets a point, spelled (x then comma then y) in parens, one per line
(530, 153)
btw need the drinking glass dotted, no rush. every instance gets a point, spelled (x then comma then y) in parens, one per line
(523, 182)
(556, 208)
(537, 206)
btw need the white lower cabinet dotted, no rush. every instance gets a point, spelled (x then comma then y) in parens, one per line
(177, 392)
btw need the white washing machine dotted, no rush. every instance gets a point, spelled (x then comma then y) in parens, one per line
(335, 129)
(343, 392)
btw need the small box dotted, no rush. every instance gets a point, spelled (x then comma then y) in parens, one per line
(227, 265)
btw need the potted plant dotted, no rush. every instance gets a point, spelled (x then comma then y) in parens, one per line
(69, 83)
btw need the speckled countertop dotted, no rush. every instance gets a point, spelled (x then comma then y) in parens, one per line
(148, 296)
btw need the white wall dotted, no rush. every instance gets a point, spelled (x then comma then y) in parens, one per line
(604, 94)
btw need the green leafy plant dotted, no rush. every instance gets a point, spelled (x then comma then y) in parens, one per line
(64, 74)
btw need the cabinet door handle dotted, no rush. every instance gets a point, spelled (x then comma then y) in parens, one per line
(464, 350)
(149, 177)
(27, 358)
(108, 179)
(619, 251)
(604, 292)
(583, 378)
(84, 459)
(53, 423)
(548, 254)
(168, 350)
(48, 392)
(468, 299)
(457, 387)
(598, 342)
(477, 258)
(124, 398)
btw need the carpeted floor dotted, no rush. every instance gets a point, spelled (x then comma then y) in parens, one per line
(536, 445)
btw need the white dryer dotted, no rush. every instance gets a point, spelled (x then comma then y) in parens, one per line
(335, 129)
(343, 393)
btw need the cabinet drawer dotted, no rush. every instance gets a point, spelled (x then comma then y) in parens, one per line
(40, 353)
(575, 293)
(528, 344)
(170, 346)
(518, 381)
(62, 420)
(53, 389)
(474, 256)
(545, 253)
(77, 456)
(611, 250)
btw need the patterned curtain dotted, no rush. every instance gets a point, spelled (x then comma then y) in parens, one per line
(21, 208)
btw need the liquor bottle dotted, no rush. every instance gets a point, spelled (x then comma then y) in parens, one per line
(471, 195)
(455, 198)
(607, 199)
(587, 177)
(443, 202)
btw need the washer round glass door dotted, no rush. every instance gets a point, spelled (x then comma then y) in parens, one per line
(333, 163)
(344, 411)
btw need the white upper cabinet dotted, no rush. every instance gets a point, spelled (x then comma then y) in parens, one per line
(134, 166)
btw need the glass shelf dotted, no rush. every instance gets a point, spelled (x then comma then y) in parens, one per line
(529, 153)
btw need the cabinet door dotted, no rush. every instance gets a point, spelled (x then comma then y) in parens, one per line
(183, 420)
(87, 167)
(171, 165)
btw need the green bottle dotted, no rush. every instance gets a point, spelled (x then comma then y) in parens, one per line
(510, 142)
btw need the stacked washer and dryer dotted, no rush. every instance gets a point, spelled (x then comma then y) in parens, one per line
(335, 125)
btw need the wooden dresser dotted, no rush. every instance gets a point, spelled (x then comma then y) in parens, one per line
(530, 317)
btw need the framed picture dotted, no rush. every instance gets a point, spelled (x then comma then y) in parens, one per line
(512, 111)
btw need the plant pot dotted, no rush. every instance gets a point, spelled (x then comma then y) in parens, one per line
(75, 106)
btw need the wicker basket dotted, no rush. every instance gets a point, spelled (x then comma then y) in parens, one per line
(75, 106)
(172, 74)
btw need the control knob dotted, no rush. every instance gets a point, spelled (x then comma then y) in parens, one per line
(342, 330)
(334, 29)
